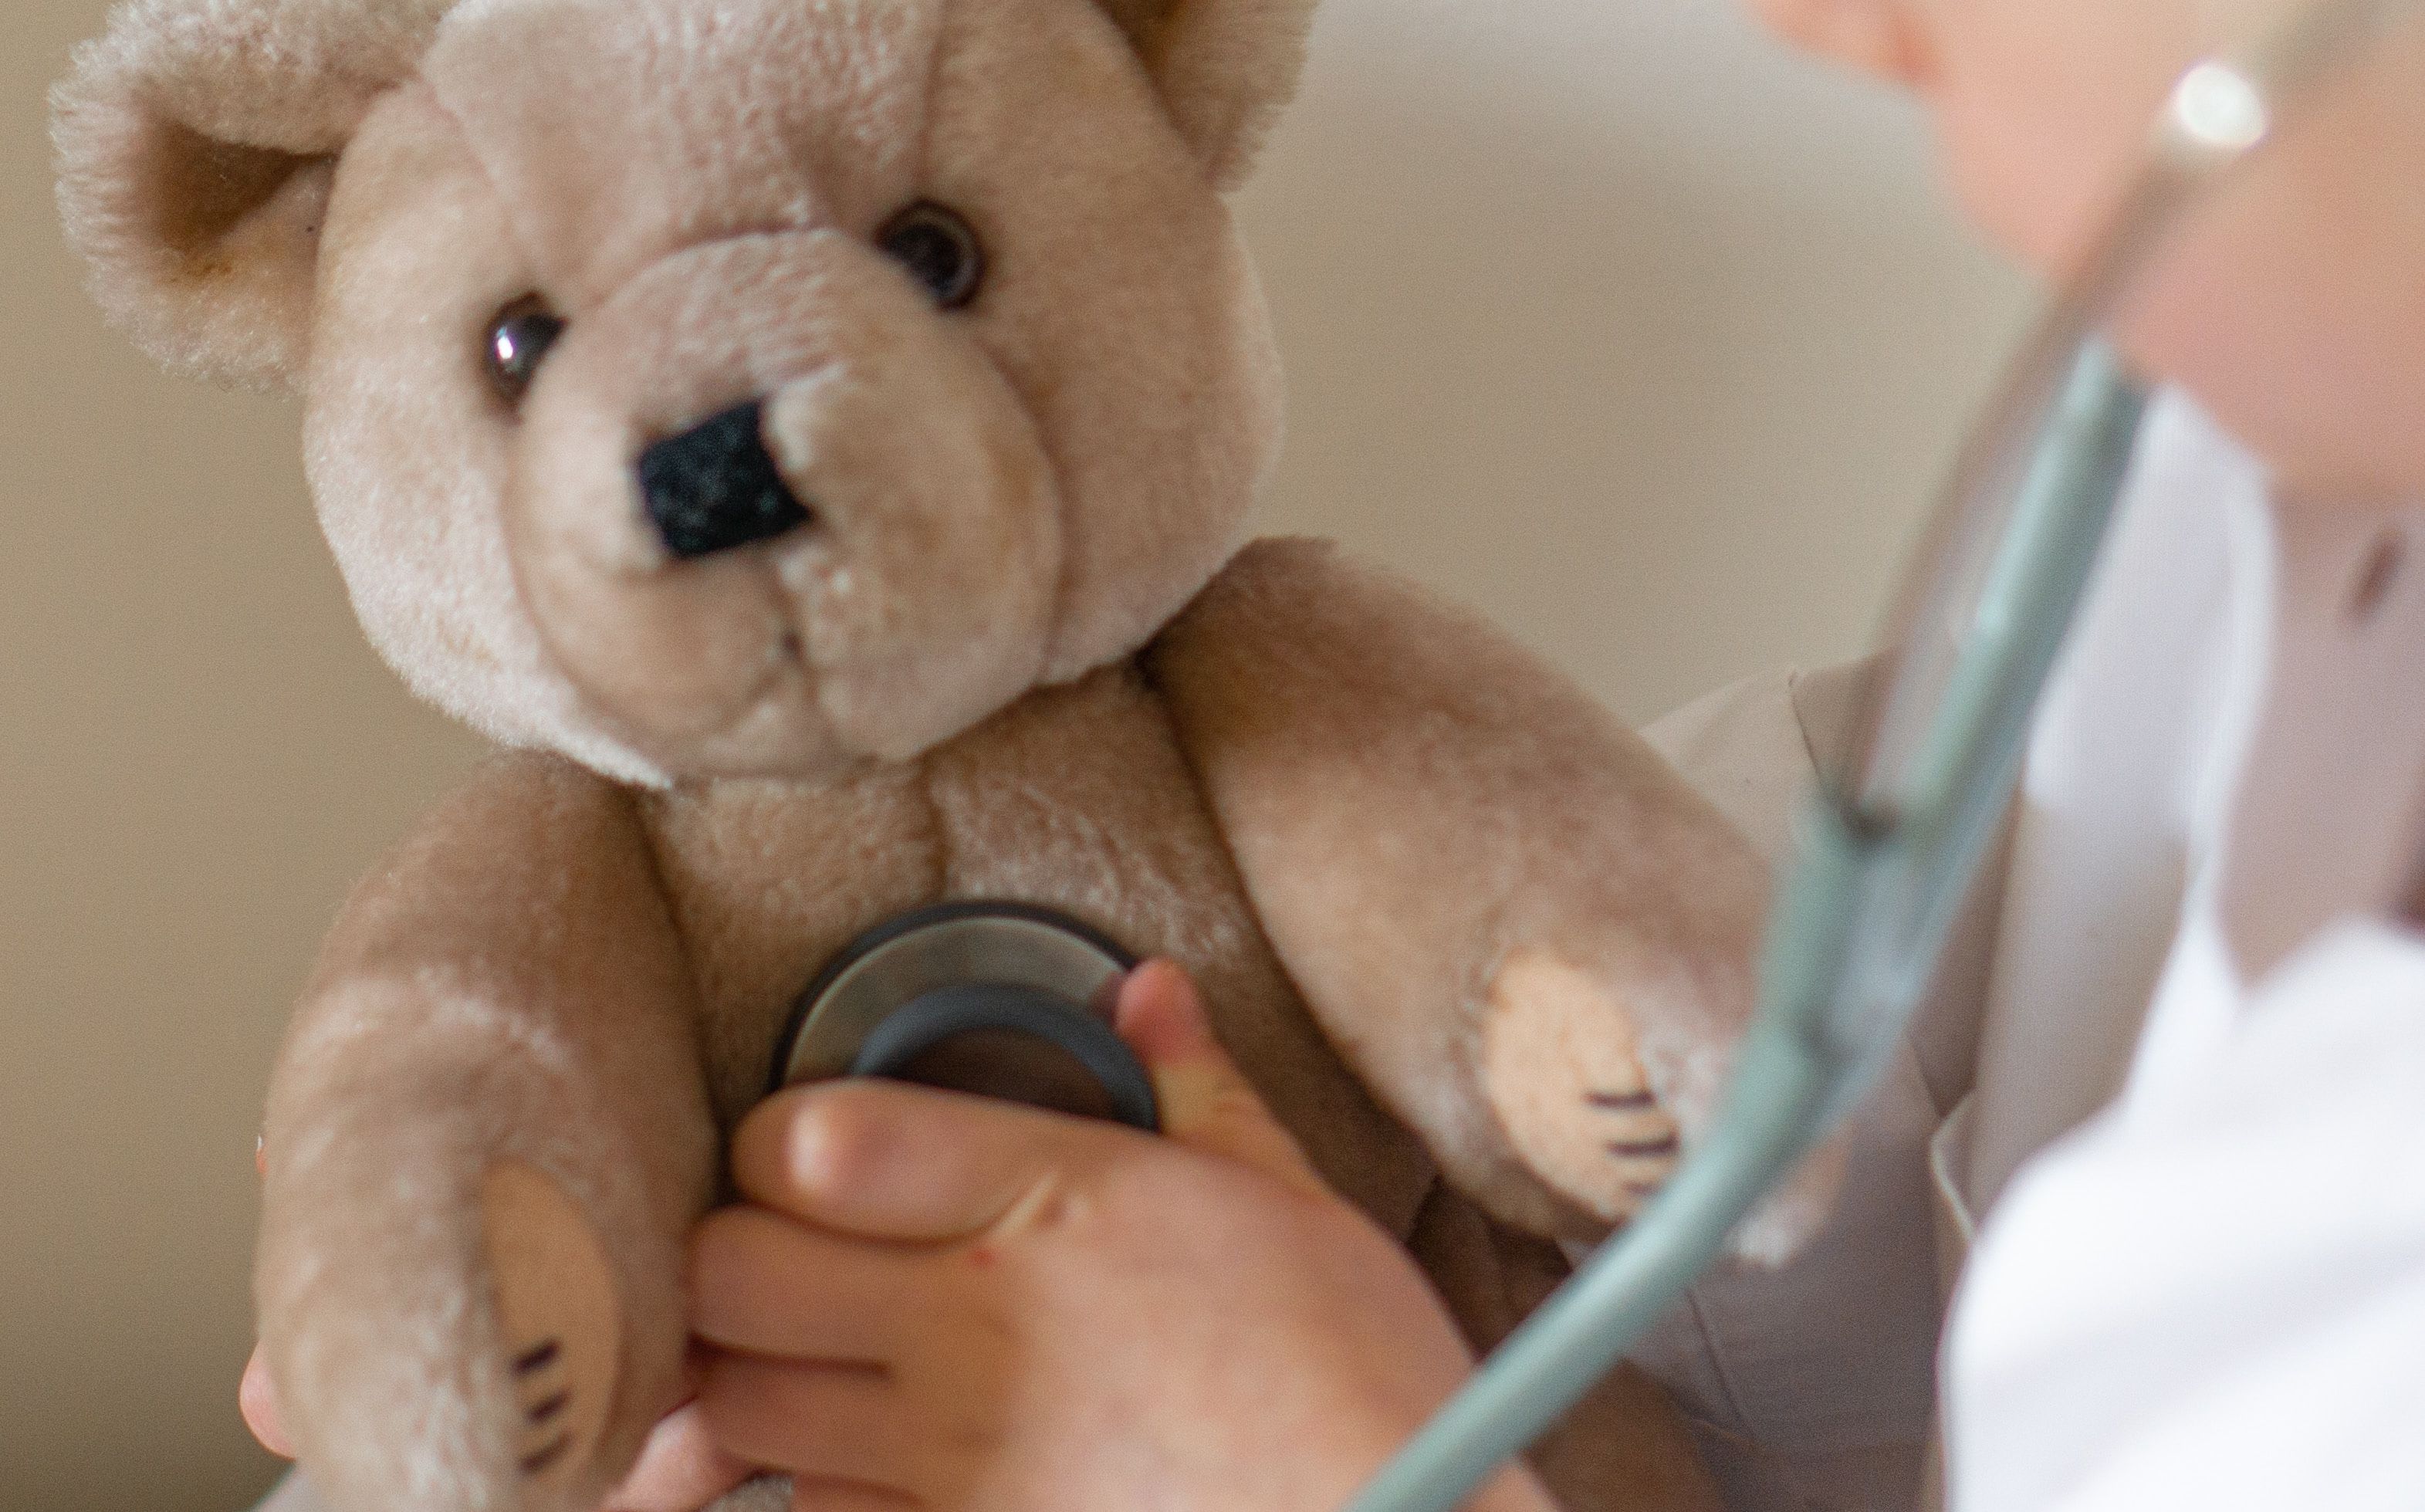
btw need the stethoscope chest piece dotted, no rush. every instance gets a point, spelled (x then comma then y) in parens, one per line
(1002, 999)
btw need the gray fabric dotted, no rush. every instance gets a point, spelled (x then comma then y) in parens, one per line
(294, 1494)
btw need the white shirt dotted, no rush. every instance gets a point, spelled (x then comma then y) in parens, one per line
(2203, 1263)
(2211, 1293)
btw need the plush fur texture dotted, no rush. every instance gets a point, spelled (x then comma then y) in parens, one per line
(1484, 955)
(1503, 826)
(1227, 69)
(196, 140)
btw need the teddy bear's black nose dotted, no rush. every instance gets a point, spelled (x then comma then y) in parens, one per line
(715, 487)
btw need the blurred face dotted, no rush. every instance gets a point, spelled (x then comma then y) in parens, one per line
(2294, 307)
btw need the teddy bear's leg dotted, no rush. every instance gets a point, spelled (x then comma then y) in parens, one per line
(1532, 939)
(470, 1271)
(487, 1138)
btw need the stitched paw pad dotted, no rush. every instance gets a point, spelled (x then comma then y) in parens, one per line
(1560, 1068)
(562, 1329)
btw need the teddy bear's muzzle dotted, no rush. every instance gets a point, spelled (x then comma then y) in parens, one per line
(772, 511)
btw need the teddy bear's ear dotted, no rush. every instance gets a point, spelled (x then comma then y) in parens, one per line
(1225, 68)
(196, 143)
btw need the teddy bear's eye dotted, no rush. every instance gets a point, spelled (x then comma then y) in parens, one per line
(940, 248)
(517, 342)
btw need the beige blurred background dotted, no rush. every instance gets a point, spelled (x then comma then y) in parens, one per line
(1603, 315)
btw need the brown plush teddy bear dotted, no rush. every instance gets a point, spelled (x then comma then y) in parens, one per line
(811, 435)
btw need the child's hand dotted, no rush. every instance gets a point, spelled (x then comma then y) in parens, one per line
(952, 1303)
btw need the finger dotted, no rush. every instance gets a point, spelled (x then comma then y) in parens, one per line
(885, 1160)
(680, 1467)
(762, 1283)
(256, 1397)
(1207, 1103)
(834, 1423)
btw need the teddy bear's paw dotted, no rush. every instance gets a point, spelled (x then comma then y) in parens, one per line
(1560, 1065)
(562, 1327)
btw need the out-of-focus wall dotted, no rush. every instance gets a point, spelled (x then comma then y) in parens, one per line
(1619, 321)
(1603, 315)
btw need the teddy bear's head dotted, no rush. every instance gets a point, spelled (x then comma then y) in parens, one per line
(709, 387)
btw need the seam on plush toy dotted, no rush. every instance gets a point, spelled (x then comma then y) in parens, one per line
(947, 15)
(661, 887)
(937, 825)
(515, 231)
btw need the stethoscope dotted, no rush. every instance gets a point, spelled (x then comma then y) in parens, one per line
(1011, 999)
(1002, 999)
(1906, 815)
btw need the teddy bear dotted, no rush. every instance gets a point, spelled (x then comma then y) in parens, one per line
(811, 438)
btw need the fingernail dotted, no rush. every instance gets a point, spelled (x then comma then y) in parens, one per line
(1159, 1014)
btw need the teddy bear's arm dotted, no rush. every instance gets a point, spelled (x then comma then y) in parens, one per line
(1522, 928)
(488, 1136)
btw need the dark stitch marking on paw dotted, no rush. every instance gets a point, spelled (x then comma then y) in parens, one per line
(1643, 1188)
(550, 1408)
(534, 1463)
(538, 1358)
(1616, 1101)
(873, 1370)
(2374, 581)
(1643, 1148)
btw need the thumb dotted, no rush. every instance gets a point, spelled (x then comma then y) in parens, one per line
(1207, 1103)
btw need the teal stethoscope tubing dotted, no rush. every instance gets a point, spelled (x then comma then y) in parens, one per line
(1891, 844)
(1799, 1069)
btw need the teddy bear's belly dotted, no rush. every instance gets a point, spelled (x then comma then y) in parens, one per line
(1077, 798)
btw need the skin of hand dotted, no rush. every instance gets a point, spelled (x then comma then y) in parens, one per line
(941, 1301)
(2293, 307)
